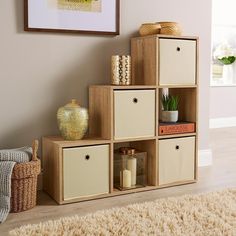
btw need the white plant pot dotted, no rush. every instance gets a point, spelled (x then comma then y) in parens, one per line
(169, 116)
(228, 74)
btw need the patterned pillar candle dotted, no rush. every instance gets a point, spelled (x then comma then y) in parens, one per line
(121, 70)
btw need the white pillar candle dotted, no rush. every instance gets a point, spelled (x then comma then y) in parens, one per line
(132, 166)
(126, 179)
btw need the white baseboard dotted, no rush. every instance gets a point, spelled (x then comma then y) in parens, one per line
(204, 157)
(222, 122)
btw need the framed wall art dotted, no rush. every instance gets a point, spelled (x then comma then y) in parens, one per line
(73, 16)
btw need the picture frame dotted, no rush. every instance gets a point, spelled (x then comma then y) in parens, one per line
(98, 17)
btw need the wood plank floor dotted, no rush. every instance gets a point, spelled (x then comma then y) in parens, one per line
(221, 174)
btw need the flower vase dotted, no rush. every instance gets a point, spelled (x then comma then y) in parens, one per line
(72, 121)
(228, 74)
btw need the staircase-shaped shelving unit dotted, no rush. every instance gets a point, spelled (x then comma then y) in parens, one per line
(130, 116)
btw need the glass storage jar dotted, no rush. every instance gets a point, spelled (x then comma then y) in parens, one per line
(130, 168)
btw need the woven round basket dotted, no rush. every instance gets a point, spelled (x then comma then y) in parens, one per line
(24, 183)
(149, 29)
(170, 28)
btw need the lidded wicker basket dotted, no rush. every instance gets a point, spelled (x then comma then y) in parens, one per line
(167, 28)
(170, 28)
(149, 29)
(24, 183)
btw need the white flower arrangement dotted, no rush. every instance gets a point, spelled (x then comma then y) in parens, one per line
(225, 53)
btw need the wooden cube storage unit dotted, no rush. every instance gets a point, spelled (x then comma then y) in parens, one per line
(129, 116)
(76, 170)
(164, 60)
(129, 112)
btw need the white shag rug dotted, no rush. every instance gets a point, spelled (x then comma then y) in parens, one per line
(205, 214)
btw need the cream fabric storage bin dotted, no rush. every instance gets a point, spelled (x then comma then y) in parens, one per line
(176, 160)
(134, 114)
(85, 171)
(177, 62)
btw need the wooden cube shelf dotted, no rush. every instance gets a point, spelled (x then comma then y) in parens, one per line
(130, 116)
(165, 60)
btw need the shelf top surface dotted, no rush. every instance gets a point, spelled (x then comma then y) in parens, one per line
(129, 87)
(167, 37)
(83, 142)
(124, 87)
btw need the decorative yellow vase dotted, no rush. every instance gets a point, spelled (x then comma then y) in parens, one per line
(72, 121)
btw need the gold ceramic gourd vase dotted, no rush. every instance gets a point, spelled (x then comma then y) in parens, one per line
(72, 121)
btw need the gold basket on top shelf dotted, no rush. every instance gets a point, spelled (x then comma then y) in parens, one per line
(149, 29)
(170, 28)
(165, 27)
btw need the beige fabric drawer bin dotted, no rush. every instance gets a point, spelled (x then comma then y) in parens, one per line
(177, 62)
(85, 171)
(134, 114)
(176, 160)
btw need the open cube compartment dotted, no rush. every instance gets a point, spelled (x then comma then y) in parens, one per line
(145, 160)
(187, 107)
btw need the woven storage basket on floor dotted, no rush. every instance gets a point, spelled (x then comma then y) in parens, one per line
(24, 183)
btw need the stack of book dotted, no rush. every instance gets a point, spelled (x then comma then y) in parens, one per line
(176, 128)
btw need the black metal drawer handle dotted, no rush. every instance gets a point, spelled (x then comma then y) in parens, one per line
(178, 49)
(177, 147)
(135, 100)
(87, 157)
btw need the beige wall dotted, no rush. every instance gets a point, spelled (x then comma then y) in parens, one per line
(222, 102)
(41, 71)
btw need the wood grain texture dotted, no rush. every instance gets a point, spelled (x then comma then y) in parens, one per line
(53, 166)
(168, 37)
(144, 61)
(145, 58)
(187, 103)
(124, 87)
(83, 142)
(134, 139)
(176, 135)
(100, 112)
(51, 170)
(197, 109)
(158, 107)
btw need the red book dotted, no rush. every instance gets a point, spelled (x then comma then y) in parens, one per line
(176, 128)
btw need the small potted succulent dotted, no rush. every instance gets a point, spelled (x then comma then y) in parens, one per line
(170, 108)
